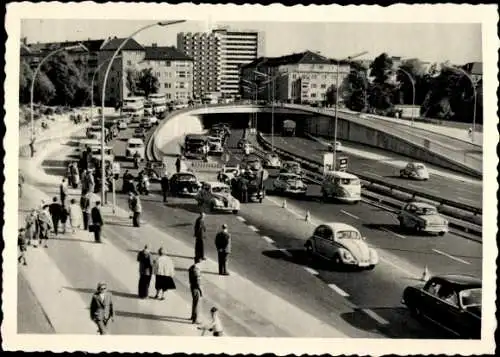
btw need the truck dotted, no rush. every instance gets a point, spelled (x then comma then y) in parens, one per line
(289, 127)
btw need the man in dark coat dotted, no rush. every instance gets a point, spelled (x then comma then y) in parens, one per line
(145, 260)
(223, 245)
(199, 235)
(195, 285)
(178, 164)
(55, 210)
(97, 221)
(101, 308)
(85, 206)
(165, 187)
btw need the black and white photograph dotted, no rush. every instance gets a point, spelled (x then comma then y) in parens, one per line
(290, 179)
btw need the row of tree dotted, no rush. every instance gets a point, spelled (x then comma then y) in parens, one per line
(442, 91)
(142, 82)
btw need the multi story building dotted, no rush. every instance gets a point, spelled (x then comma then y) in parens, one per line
(218, 56)
(299, 78)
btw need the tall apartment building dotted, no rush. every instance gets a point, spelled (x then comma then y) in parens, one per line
(218, 56)
(299, 78)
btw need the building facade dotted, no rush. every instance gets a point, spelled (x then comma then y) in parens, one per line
(218, 56)
(299, 78)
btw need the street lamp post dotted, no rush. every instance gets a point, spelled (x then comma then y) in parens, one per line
(475, 100)
(92, 86)
(255, 91)
(413, 91)
(348, 59)
(67, 48)
(103, 96)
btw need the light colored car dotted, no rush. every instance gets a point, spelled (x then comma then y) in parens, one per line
(289, 183)
(216, 196)
(422, 217)
(291, 167)
(273, 161)
(146, 123)
(247, 148)
(153, 120)
(338, 146)
(415, 170)
(122, 124)
(108, 153)
(342, 244)
(135, 145)
(215, 145)
(230, 169)
(84, 143)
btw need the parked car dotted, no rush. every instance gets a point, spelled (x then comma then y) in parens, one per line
(184, 184)
(415, 170)
(341, 244)
(451, 302)
(288, 183)
(216, 196)
(272, 161)
(292, 167)
(422, 217)
(139, 133)
(135, 145)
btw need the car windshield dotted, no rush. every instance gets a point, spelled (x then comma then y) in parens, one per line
(349, 181)
(291, 178)
(348, 235)
(471, 297)
(220, 189)
(419, 167)
(133, 145)
(426, 211)
(186, 178)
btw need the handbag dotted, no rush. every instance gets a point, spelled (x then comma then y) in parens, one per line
(92, 228)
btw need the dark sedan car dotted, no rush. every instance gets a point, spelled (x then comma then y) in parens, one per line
(184, 184)
(139, 133)
(452, 302)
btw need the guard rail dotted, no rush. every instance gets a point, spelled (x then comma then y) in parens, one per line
(453, 209)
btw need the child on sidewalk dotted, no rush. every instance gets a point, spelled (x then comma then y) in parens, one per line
(215, 325)
(21, 243)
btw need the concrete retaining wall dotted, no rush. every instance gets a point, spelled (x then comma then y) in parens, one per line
(350, 131)
(175, 128)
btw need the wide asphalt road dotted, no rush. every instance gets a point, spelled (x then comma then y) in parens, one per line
(440, 186)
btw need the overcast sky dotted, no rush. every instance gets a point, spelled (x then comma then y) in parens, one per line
(458, 43)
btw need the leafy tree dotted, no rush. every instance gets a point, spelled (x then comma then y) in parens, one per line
(331, 95)
(44, 89)
(355, 89)
(381, 68)
(382, 93)
(131, 81)
(148, 82)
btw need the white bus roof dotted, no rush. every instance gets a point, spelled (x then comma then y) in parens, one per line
(341, 174)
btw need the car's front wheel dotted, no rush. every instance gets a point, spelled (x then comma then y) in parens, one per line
(370, 267)
(235, 211)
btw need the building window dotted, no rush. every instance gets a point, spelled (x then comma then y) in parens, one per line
(323, 86)
(181, 74)
(129, 63)
(313, 95)
(167, 63)
(313, 85)
(314, 76)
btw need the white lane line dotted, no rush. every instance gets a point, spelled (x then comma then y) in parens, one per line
(376, 317)
(397, 267)
(241, 219)
(268, 240)
(295, 213)
(286, 252)
(374, 174)
(311, 270)
(451, 256)
(338, 290)
(253, 228)
(422, 188)
(397, 235)
(349, 214)
(466, 199)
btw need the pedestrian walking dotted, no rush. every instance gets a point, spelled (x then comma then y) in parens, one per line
(64, 217)
(32, 148)
(31, 226)
(97, 222)
(178, 164)
(55, 210)
(74, 215)
(164, 271)
(101, 308)
(85, 181)
(165, 186)
(146, 265)
(22, 245)
(196, 293)
(20, 184)
(75, 176)
(200, 234)
(45, 225)
(223, 245)
(134, 204)
(215, 325)
(63, 191)
(86, 208)
(90, 181)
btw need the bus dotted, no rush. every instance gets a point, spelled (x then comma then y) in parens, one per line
(341, 186)
(159, 102)
(133, 106)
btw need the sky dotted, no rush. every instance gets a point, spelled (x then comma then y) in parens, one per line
(433, 42)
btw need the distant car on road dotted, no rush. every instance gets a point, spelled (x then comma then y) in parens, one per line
(338, 146)
(451, 302)
(215, 145)
(184, 184)
(341, 244)
(139, 133)
(415, 170)
(293, 167)
(272, 161)
(122, 124)
(422, 217)
(288, 183)
(216, 196)
(135, 145)
(146, 123)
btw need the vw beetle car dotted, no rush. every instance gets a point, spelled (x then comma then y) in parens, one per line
(338, 146)
(288, 183)
(216, 196)
(452, 302)
(422, 217)
(291, 167)
(272, 161)
(415, 170)
(342, 244)
(184, 184)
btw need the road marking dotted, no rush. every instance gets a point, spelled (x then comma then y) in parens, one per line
(241, 219)
(253, 228)
(268, 240)
(349, 214)
(338, 290)
(295, 213)
(286, 252)
(407, 272)
(422, 188)
(371, 173)
(451, 256)
(466, 199)
(376, 317)
(311, 270)
(397, 235)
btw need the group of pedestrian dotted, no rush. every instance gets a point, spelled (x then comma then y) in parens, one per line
(163, 269)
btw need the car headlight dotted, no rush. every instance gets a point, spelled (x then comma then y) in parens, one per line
(346, 255)
(445, 222)
(217, 202)
(373, 256)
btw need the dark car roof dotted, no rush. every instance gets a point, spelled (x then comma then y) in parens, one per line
(461, 280)
(184, 174)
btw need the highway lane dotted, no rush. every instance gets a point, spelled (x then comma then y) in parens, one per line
(464, 192)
